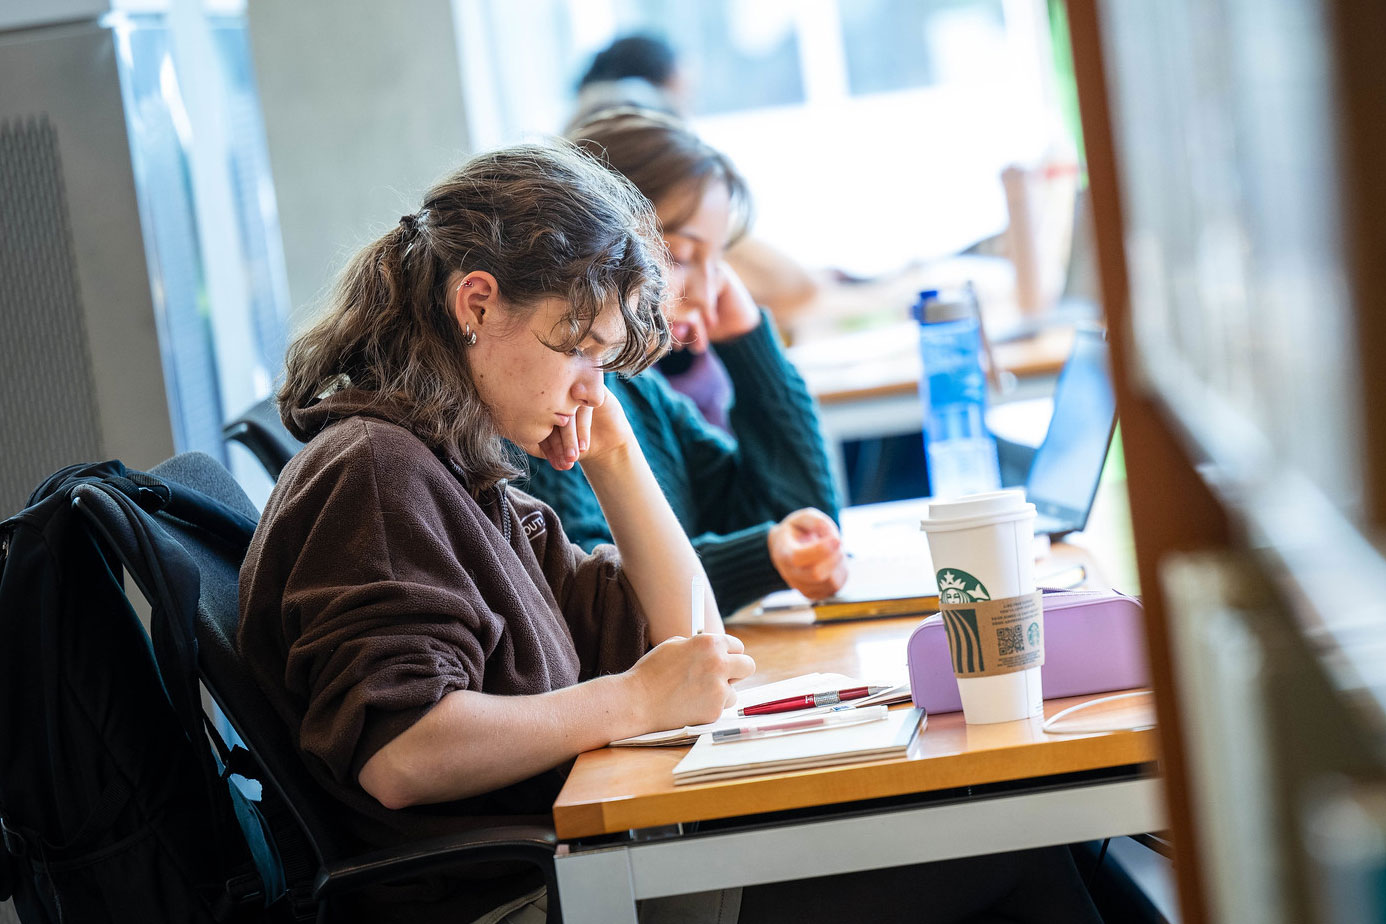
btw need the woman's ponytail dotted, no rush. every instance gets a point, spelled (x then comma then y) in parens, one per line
(344, 344)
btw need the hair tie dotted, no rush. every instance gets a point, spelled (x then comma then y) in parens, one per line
(413, 222)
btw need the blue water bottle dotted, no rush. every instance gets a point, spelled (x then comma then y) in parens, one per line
(961, 453)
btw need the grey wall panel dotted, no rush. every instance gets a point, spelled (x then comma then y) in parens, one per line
(29, 14)
(64, 79)
(48, 402)
(363, 111)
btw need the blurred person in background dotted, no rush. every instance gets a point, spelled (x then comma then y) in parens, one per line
(643, 72)
(755, 494)
(639, 71)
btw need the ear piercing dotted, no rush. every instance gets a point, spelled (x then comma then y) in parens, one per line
(468, 335)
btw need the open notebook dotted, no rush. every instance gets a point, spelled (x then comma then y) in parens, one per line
(889, 737)
(898, 692)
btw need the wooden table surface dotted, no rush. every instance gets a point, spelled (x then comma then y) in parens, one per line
(615, 789)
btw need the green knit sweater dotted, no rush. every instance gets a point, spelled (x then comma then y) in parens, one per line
(726, 492)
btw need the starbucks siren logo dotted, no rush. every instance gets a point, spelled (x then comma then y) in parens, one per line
(955, 586)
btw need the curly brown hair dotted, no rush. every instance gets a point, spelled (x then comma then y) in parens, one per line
(547, 220)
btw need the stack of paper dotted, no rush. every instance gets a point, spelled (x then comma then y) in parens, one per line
(844, 744)
(794, 686)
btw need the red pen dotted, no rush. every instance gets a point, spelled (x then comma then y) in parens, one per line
(810, 700)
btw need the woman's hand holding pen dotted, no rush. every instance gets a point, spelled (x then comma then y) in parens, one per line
(687, 681)
(806, 549)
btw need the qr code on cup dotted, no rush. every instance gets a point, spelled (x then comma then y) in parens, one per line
(1010, 639)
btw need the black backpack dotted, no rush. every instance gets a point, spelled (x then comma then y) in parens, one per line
(113, 804)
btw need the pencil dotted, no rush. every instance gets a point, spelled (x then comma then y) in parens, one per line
(697, 607)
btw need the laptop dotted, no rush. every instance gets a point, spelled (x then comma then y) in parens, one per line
(889, 574)
(1067, 466)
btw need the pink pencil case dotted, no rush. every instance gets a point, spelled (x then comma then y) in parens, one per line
(1094, 641)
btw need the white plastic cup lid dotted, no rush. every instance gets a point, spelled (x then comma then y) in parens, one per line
(977, 510)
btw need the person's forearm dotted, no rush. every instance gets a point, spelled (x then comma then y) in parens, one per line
(656, 556)
(738, 565)
(471, 743)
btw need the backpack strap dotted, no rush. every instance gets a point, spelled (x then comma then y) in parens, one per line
(171, 582)
(15, 840)
(155, 495)
(14, 852)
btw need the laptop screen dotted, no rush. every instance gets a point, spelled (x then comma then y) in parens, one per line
(1063, 476)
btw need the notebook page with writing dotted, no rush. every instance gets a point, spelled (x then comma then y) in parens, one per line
(707, 761)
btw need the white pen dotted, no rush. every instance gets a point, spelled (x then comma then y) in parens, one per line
(697, 616)
(807, 723)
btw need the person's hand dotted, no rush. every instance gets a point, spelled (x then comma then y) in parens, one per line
(733, 312)
(687, 681)
(590, 435)
(729, 313)
(806, 549)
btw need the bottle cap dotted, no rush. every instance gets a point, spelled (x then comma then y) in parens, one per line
(935, 308)
(925, 296)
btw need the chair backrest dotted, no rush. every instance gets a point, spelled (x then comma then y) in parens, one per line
(224, 674)
(261, 430)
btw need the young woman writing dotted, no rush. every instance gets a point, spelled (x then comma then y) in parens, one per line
(436, 645)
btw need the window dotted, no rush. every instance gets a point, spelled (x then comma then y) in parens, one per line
(904, 44)
(872, 132)
(208, 212)
(755, 47)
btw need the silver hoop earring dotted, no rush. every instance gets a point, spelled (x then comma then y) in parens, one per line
(469, 336)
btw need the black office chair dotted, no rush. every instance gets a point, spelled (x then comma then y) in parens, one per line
(320, 865)
(261, 430)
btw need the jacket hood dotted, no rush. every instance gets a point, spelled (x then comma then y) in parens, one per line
(306, 422)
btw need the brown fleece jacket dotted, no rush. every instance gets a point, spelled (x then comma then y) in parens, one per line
(376, 583)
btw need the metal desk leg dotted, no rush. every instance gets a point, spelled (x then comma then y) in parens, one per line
(595, 886)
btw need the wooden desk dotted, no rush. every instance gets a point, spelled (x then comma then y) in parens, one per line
(962, 791)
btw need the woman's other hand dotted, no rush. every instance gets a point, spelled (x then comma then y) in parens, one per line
(688, 681)
(733, 312)
(806, 549)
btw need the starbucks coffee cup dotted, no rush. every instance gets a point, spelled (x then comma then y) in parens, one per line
(982, 547)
